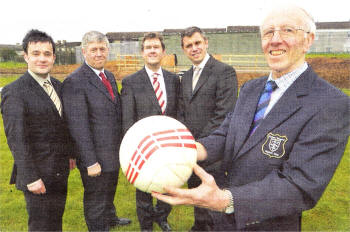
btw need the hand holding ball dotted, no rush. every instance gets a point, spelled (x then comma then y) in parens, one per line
(157, 151)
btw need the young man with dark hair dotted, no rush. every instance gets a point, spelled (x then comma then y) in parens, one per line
(208, 92)
(37, 135)
(150, 91)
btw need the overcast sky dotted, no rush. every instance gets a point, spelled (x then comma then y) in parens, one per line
(70, 19)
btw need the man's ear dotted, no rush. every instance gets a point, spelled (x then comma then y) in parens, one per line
(309, 39)
(25, 56)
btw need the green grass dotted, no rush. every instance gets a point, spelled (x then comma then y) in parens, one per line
(332, 213)
(13, 65)
(335, 55)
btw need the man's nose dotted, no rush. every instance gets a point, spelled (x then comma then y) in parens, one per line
(276, 36)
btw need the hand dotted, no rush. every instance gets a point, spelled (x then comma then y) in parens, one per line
(94, 170)
(72, 164)
(37, 187)
(201, 152)
(207, 195)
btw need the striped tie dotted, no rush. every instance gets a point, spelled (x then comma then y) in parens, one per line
(53, 95)
(262, 104)
(159, 92)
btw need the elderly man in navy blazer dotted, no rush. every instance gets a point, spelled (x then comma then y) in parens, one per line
(93, 111)
(282, 143)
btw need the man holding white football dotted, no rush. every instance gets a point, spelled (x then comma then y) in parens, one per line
(283, 142)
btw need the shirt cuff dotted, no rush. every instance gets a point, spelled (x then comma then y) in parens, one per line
(33, 183)
(93, 165)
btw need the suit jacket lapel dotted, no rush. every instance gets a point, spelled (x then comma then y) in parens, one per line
(167, 83)
(95, 81)
(246, 115)
(40, 92)
(204, 75)
(187, 85)
(149, 88)
(286, 106)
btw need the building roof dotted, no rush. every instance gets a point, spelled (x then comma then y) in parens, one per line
(120, 36)
(242, 29)
(112, 36)
(333, 25)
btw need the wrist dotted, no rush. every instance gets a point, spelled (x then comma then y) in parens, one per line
(229, 209)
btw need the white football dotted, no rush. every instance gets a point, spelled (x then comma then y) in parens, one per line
(157, 151)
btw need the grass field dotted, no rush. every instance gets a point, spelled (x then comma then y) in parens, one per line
(11, 64)
(332, 213)
(335, 55)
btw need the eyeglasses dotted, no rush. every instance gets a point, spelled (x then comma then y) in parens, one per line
(284, 32)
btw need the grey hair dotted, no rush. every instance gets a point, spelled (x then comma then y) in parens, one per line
(93, 36)
(308, 20)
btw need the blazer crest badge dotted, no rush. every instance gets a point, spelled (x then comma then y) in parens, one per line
(274, 146)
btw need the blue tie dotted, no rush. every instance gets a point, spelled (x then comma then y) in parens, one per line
(262, 104)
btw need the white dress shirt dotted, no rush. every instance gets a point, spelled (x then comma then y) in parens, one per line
(160, 79)
(283, 83)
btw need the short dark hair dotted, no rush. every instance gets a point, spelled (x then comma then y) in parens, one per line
(152, 35)
(189, 32)
(35, 35)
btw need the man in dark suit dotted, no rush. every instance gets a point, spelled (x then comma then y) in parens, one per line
(93, 111)
(150, 91)
(279, 148)
(37, 135)
(208, 92)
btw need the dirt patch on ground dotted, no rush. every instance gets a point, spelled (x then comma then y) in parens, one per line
(334, 70)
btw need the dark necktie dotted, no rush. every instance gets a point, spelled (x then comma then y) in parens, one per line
(262, 104)
(107, 84)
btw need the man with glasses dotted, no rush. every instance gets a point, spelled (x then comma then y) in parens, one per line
(281, 145)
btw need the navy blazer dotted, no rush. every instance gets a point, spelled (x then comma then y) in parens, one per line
(94, 118)
(36, 134)
(215, 95)
(139, 99)
(284, 167)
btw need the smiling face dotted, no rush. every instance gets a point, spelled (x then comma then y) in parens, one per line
(40, 58)
(96, 54)
(286, 53)
(152, 53)
(195, 47)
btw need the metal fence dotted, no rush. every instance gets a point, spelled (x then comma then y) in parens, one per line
(239, 62)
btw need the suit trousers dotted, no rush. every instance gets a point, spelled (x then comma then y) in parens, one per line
(99, 195)
(146, 213)
(45, 211)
